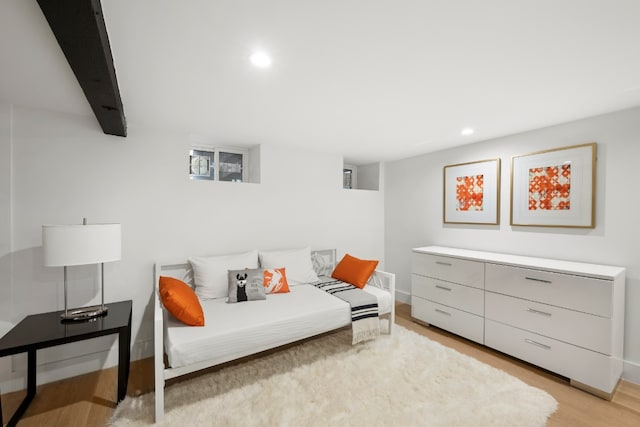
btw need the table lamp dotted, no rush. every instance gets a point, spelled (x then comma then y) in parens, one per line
(69, 245)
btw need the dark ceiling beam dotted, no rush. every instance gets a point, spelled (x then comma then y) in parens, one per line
(81, 33)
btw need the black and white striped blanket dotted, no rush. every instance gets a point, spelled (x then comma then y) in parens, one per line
(364, 308)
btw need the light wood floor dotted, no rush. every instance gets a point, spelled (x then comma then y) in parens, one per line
(88, 400)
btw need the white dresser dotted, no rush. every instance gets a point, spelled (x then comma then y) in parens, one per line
(567, 317)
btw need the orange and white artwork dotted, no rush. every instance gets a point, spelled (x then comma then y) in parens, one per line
(554, 188)
(470, 193)
(550, 188)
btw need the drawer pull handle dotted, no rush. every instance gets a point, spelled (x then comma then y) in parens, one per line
(444, 288)
(533, 310)
(448, 264)
(443, 312)
(537, 344)
(538, 280)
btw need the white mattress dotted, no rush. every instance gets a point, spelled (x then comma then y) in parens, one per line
(236, 330)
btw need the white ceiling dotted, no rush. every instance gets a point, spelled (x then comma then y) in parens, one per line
(371, 79)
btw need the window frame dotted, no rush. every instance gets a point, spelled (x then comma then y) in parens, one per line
(215, 166)
(353, 171)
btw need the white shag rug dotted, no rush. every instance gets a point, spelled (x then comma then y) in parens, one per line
(399, 380)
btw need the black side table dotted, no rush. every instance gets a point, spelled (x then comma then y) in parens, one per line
(47, 330)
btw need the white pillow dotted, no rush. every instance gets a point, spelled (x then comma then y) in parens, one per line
(297, 262)
(210, 273)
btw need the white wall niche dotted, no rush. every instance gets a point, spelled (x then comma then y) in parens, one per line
(361, 177)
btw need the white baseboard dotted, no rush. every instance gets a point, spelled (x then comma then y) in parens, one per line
(49, 371)
(58, 370)
(142, 349)
(403, 296)
(631, 372)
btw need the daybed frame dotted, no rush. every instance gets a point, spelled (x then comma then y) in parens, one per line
(324, 262)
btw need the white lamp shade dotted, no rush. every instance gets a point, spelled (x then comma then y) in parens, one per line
(81, 244)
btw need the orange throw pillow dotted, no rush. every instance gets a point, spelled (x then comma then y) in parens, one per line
(354, 270)
(275, 281)
(181, 301)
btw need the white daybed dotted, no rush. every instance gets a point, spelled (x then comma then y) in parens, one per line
(233, 331)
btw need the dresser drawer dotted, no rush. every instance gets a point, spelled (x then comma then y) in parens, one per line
(453, 295)
(573, 327)
(584, 294)
(459, 322)
(470, 273)
(579, 364)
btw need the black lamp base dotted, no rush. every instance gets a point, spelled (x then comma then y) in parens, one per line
(84, 313)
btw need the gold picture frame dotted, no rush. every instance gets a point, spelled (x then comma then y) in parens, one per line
(471, 193)
(554, 188)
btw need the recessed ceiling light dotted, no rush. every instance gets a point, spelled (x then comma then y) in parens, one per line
(467, 131)
(260, 59)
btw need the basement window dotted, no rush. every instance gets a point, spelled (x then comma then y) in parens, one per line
(348, 177)
(218, 164)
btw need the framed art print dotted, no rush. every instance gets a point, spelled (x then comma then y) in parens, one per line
(554, 188)
(471, 193)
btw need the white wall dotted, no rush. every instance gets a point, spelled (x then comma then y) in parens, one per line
(413, 209)
(5, 221)
(5, 186)
(369, 177)
(66, 169)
